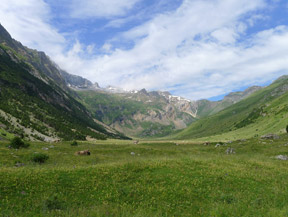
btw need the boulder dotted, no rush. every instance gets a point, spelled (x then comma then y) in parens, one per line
(217, 145)
(282, 157)
(270, 136)
(230, 151)
(18, 164)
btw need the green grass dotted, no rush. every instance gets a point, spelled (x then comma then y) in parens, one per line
(4, 134)
(160, 179)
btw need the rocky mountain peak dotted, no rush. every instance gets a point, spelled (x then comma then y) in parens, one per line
(76, 81)
(143, 91)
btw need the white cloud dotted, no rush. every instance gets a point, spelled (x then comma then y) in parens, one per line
(27, 21)
(198, 51)
(100, 8)
(225, 35)
(166, 52)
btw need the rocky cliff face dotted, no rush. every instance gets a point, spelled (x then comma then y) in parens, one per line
(77, 82)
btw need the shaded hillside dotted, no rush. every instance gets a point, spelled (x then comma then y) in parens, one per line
(34, 99)
(265, 111)
(41, 65)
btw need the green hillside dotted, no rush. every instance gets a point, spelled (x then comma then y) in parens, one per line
(206, 108)
(263, 112)
(34, 103)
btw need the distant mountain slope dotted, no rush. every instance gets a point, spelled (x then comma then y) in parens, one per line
(35, 101)
(140, 113)
(206, 108)
(265, 111)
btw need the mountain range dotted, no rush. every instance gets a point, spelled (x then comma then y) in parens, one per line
(151, 114)
(40, 101)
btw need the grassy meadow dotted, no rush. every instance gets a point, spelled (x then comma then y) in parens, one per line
(153, 178)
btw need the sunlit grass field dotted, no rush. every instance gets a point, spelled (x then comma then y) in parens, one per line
(148, 179)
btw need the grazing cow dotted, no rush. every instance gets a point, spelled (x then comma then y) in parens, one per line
(85, 152)
(136, 142)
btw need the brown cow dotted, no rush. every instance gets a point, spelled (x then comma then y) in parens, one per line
(85, 152)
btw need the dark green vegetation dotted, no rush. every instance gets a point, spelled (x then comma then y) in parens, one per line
(39, 158)
(18, 143)
(149, 179)
(261, 113)
(74, 143)
(34, 100)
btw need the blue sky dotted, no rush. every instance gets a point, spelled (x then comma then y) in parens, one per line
(192, 48)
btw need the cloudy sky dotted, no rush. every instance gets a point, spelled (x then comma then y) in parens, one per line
(192, 48)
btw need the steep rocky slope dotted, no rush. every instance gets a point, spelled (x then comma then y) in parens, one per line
(35, 101)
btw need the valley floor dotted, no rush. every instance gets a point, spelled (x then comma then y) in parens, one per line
(177, 178)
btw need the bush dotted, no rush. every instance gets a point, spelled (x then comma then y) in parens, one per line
(74, 143)
(287, 128)
(53, 203)
(40, 158)
(18, 143)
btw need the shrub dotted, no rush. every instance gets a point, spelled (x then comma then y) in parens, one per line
(74, 143)
(287, 128)
(39, 158)
(53, 203)
(18, 143)
(80, 137)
